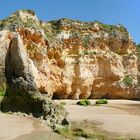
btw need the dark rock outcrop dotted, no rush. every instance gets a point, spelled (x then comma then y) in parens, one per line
(22, 93)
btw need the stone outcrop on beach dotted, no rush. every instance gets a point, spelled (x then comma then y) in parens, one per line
(21, 91)
(67, 58)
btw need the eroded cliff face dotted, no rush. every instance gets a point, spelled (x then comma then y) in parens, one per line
(18, 88)
(73, 59)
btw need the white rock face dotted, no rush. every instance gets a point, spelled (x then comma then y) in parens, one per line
(98, 71)
(4, 45)
(63, 35)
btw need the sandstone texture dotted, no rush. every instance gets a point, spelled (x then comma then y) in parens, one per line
(21, 92)
(68, 58)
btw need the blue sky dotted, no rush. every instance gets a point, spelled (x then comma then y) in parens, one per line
(126, 12)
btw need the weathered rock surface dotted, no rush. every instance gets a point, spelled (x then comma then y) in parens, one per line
(4, 45)
(22, 93)
(73, 59)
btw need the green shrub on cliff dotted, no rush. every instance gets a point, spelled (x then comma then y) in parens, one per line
(128, 81)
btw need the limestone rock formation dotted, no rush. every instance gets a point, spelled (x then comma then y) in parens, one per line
(21, 91)
(72, 59)
(4, 45)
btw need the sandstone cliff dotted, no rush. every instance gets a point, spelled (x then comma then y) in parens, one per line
(73, 59)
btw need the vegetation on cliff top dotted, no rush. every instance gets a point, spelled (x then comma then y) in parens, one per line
(54, 27)
(76, 26)
(15, 21)
(66, 23)
(83, 32)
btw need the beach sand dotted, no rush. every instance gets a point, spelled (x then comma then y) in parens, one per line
(15, 127)
(12, 126)
(119, 117)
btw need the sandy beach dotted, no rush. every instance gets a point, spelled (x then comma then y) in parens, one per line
(12, 126)
(120, 117)
(15, 127)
